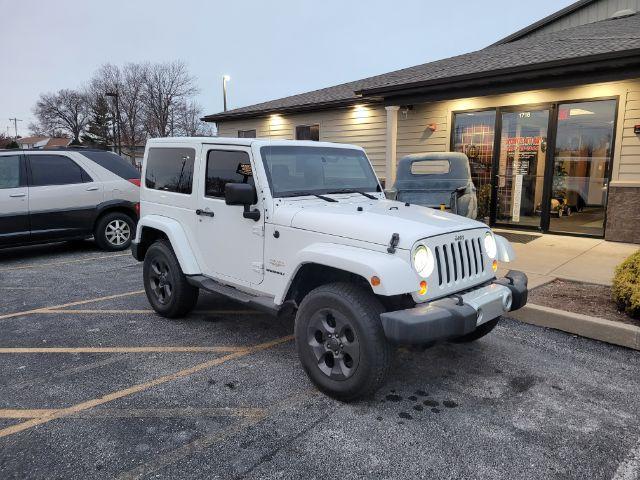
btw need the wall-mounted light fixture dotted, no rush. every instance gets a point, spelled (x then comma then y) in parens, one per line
(636, 129)
(361, 111)
(432, 126)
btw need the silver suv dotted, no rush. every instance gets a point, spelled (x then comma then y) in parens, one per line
(53, 195)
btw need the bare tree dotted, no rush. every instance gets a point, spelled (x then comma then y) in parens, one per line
(166, 86)
(187, 121)
(66, 111)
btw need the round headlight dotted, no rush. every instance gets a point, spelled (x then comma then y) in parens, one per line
(423, 261)
(490, 245)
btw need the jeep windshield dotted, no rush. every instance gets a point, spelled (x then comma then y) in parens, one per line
(295, 170)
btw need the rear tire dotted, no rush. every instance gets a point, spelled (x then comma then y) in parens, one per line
(479, 332)
(340, 341)
(165, 284)
(114, 231)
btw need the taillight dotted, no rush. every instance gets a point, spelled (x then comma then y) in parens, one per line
(135, 181)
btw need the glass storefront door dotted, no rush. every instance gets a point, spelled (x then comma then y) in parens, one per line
(581, 164)
(521, 167)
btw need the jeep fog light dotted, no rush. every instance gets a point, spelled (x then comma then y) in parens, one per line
(490, 245)
(423, 288)
(423, 261)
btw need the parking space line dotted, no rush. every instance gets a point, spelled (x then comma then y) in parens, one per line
(55, 264)
(151, 349)
(148, 311)
(110, 397)
(70, 304)
(184, 412)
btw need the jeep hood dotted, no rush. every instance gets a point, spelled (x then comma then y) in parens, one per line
(377, 221)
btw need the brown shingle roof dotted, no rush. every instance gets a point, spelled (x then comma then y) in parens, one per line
(577, 44)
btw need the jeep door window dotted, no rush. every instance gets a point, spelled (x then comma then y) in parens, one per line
(226, 166)
(55, 170)
(170, 169)
(298, 170)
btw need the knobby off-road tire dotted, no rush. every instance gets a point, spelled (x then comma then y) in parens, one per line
(114, 231)
(166, 287)
(340, 341)
(479, 332)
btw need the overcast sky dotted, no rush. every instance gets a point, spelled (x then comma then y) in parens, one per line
(270, 48)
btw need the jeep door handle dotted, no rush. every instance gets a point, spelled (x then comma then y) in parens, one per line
(18, 195)
(92, 189)
(205, 213)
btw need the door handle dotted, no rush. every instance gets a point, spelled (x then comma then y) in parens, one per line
(205, 213)
(18, 195)
(92, 189)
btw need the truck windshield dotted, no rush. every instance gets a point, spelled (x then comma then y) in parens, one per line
(295, 170)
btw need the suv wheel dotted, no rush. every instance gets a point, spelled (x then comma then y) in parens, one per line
(166, 287)
(479, 332)
(340, 341)
(114, 231)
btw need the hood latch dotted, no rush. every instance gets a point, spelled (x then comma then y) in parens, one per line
(393, 243)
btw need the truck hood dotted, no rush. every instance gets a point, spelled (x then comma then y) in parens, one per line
(377, 221)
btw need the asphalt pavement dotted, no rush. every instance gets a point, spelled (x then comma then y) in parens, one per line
(94, 385)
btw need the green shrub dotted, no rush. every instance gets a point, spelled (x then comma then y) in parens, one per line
(626, 285)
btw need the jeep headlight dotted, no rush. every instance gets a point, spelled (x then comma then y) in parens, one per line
(423, 261)
(490, 245)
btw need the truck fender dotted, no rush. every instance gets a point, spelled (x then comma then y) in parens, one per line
(395, 274)
(178, 238)
(505, 250)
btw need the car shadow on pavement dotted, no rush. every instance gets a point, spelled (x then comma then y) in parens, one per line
(34, 252)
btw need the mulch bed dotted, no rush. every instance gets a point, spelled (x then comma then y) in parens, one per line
(578, 297)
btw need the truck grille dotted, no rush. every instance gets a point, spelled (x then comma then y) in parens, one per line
(459, 261)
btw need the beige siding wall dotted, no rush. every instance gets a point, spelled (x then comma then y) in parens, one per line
(414, 136)
(595, 12)
(362, 125)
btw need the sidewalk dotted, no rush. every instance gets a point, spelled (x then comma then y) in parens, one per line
(548, 257)
(573, 258)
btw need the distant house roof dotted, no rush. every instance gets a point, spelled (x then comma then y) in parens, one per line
(609, 40)
(41, 141)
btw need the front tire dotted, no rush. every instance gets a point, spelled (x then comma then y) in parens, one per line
(340, 341)
(114, 231)
(166, 286)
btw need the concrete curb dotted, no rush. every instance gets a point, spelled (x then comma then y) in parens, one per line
(608, 331)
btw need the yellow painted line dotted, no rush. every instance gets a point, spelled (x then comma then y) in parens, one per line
(70, 304)
(110, 397)
(148, 311)
(55, 264)
(158, 349)
(140, 412)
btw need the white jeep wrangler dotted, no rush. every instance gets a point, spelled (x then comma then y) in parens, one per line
(304, 227)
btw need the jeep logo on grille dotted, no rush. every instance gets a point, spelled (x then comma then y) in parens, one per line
(459, 238)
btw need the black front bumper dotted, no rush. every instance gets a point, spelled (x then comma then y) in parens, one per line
(446, 318)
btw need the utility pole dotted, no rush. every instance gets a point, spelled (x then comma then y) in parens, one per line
(15, 124)
(116, 97)
(225, 79)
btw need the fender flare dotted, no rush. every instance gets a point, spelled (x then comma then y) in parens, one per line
(396, 275)
(177, 237)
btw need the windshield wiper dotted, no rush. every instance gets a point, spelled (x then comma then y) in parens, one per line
(348, 190)
(309, 194)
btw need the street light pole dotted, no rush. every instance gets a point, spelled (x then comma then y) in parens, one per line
(116, 96)
(225, 79)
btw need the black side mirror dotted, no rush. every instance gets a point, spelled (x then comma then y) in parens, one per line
(242, 194)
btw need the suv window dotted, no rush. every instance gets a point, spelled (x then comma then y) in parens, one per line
(10, 171)
(170, 169)
(114, 163)
(55, 170)
(226, 166)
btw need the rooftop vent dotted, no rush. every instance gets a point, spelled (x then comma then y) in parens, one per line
(623, 13)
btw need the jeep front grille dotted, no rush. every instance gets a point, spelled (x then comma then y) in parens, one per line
(459, 261)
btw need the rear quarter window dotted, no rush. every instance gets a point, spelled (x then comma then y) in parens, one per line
(114, 163)
(170, 169)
